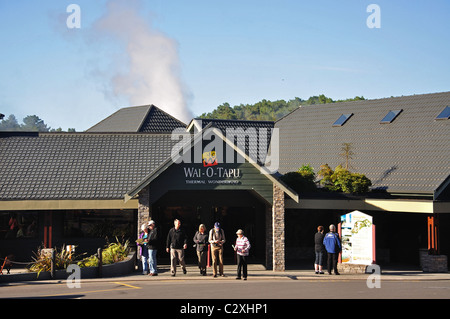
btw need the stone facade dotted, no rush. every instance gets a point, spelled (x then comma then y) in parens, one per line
(278, 229)
(143, 208)
(433, 263)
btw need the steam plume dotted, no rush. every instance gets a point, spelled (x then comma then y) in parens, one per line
(152, 74)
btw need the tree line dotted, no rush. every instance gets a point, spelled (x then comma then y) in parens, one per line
(31, 123)
(266, 110)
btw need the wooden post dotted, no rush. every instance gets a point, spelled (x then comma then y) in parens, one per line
(374, 246)
(432, 226)
(52, 264)
(340, 238)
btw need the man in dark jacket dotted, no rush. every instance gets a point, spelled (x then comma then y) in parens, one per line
(176, 244)
(332, 244)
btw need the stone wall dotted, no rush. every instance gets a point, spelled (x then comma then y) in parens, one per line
(434, 263)
(278, 229)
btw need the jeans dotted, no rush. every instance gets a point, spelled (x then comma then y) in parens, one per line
(144, 258)
(152, 261)
(319, 258)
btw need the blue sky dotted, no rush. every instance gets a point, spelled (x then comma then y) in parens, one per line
(220, 51)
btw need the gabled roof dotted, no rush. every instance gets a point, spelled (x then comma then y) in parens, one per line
(409, 154)
(147, 118)
(195, 139)
(259, 131)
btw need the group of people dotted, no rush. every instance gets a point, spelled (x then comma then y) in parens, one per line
(176, 243)
(329, 243)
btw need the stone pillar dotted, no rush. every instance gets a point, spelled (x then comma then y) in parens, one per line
(143, 208)
(278, 229)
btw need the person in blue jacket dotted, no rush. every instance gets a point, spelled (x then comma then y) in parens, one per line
(332, 245)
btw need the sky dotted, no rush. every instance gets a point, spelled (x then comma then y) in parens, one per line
(74, 66)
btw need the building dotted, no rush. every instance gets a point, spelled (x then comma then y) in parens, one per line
(141, 163)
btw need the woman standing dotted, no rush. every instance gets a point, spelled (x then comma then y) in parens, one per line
(201, 242)
(242, 248)
(319, 249)
(143, 250)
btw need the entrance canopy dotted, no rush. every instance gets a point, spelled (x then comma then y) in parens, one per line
(211, 160)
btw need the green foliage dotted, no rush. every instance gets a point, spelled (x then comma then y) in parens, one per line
(266, 110)
(302, 180)
(339, 180)
(112, 253)
(31, 123)
(42, 261)
(307, 172)
(342, 180)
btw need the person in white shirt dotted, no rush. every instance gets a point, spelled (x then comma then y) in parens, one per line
(242, 248)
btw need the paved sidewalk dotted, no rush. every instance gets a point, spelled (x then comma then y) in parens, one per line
(258, 272)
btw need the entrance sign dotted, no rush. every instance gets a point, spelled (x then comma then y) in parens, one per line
(357, 235)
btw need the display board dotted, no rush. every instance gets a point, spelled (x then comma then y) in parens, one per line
(357, 235)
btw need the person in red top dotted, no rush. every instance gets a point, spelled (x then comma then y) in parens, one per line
(242, 248)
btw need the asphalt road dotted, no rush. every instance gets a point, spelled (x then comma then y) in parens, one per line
(228, 288)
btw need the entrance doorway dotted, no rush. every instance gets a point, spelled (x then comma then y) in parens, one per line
(232, 209)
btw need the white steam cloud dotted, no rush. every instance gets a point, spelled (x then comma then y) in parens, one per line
(152, 74)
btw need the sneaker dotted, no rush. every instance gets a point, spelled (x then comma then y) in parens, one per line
(238, 278)
(184, 271)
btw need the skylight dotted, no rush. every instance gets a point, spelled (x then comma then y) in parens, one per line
(391, 116)
(342, 119)
(445, 114)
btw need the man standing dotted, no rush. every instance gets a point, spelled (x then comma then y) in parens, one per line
(175, 244)
(153, 242)
(332, 244)
(217, 239)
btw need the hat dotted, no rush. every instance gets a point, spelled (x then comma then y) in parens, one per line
(239, 232)
(217, 225)
(151, 222)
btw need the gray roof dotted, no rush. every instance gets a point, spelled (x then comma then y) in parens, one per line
(147, 118)
(77, 165)
(259, 131)
(409, 155)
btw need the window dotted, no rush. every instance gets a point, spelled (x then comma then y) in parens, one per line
(391, 116)
(18, 225)
(445, 114)
(342, 119)
(99, 224)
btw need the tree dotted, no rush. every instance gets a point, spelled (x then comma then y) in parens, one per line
(266, 110)
(30, 123)
(10, 124)
(342, 180)
(34, 123)
(347, 154)
(302, 180)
